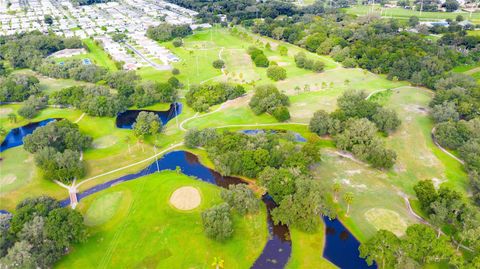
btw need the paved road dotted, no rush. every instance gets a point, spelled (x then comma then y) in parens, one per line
(153, 64)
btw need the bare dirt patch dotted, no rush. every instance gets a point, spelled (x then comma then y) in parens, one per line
(7, 179)
(387, 220)
(185, 198)
(5, 111)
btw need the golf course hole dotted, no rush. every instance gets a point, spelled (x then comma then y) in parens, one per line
(103, 208)
(387, 220)
(185, 198)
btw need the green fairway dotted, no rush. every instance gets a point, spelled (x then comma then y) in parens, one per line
(97, 55)
(404, 14)
(144, 231)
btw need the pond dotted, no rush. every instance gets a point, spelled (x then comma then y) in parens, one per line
(15, 137)
(341, 247)
(126, 119)
(298, 137)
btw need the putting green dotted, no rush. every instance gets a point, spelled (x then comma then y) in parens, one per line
(387, 220)
(103, 208)
(147, 232)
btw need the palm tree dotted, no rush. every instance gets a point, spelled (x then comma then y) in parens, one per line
(12, 117)
(2, 131)
(217, 263)
(348, 198)
(336, 189)
(127, 140)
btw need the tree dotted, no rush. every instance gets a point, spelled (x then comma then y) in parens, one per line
(175, 71)
(147, 123)
(281, 113)
(217, 222)
(19, 256)
(12, 117)
(267, 98)
(59, 135)
(63, 166)
(276, 73)
(123, 81)
(426, 194)
(64, 235)
(27, 112)
(48, 19)
(445, 112)
(422, 245)
(217, 263)
(240, 198)
(336, 189)
(177, 42)
(201, 97)
(303, 208)
(413, 21)
(320, 123)
(348, 198)
(386, 120)
(451, 5)
(218, 64)
(282, 50)
(381, 248)
(279, 182)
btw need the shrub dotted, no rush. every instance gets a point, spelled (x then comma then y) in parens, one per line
(218, 64)
(276, 73)
(281, 113)
(217, 222)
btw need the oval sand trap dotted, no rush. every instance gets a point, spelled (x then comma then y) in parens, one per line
(185, 198)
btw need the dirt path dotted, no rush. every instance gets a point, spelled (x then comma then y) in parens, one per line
(80, 118)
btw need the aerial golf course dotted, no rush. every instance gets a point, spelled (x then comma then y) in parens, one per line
(133, 224)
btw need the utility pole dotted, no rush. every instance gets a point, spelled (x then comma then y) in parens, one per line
(156, 158)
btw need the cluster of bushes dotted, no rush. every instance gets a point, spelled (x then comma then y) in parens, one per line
(258, 57)
(202, 97)
(354, 126)
(217, 220)
(302, 61)
(56, 148)
(276, 73)
(281, 166)
(17, 87)
(268, 98)
(39, 233)
(32, 105)
(166, 32)
(455, 108)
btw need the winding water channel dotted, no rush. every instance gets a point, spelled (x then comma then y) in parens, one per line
(341, 247)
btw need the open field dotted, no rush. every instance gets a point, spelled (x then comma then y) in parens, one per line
(50, 85)
(144, 231)
(95, 53)
(404, 14)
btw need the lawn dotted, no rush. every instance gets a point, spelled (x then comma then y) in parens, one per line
(132, 225)
(50, 85)
(98, 55)
(404, 14)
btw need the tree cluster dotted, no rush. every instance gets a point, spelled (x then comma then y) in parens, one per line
(276, 73)
(258, 57)
(39, 233)
(268, 98)
(202, 97)
(302, 61)
(27, 50)
(32, 105)
(147, 123)
(56, 148)
(354, 126)
(166, 32)
(17, 87)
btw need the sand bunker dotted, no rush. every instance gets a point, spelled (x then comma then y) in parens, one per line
(185, 198)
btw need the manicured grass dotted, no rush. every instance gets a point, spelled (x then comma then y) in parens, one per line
(19, 179)
(50, 85)
(97, 55)
(401, 13)
(103, 208)
(307, 249)
(146, 232)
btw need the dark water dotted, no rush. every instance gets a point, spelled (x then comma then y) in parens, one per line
(298, 137)
(15, 137)
(126, 119)
(276, 252)
(341, 247)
